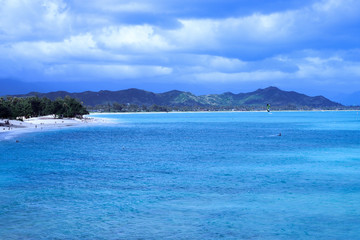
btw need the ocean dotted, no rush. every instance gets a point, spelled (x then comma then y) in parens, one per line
(222, 175)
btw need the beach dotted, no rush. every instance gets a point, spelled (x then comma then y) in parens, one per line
(11, 128)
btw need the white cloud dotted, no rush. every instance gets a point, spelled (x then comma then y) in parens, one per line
(57, 40)
(137, 38)
(309, 69)
(331, 6)
(73, 46)
(34, 19)
(104, 71)
(225, 64)
(198, 62)
(259, 31)
(233, 32)
(333, 68)
(220, 77)
(255, 33)
(116, 6)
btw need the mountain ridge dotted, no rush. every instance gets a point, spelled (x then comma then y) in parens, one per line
(270, 95)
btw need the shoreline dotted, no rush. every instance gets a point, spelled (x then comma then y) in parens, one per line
(259, 111)
(43, 123)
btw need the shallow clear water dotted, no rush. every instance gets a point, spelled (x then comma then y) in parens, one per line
(186, 176)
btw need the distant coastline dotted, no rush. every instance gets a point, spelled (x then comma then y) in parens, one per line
(255, 111)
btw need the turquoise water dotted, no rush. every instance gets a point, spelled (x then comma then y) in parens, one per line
(186, 176)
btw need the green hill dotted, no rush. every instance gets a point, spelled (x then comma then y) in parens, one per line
(260, 97)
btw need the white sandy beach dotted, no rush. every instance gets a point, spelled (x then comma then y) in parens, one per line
(16, 127)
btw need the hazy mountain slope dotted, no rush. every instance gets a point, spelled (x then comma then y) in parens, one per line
(260, 97)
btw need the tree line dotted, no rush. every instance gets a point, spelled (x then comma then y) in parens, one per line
(121, 107)
(14, 107)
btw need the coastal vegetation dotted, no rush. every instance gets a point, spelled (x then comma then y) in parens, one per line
(16, 107)
(121, 107)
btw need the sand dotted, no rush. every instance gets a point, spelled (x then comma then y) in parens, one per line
(16, 127)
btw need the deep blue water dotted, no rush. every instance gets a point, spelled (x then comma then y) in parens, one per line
(186, 176)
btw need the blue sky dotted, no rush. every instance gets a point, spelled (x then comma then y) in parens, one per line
(202, 46)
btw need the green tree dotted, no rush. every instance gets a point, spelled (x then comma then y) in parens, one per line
(35, 104)
(4, 108)
(118, 107)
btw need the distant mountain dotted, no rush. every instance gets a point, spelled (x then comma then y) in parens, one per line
(260, 97)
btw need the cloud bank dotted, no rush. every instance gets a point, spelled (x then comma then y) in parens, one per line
(311, 46)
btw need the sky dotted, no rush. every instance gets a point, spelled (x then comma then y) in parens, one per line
(201, 46)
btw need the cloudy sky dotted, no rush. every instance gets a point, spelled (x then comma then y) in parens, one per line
(202, 46)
